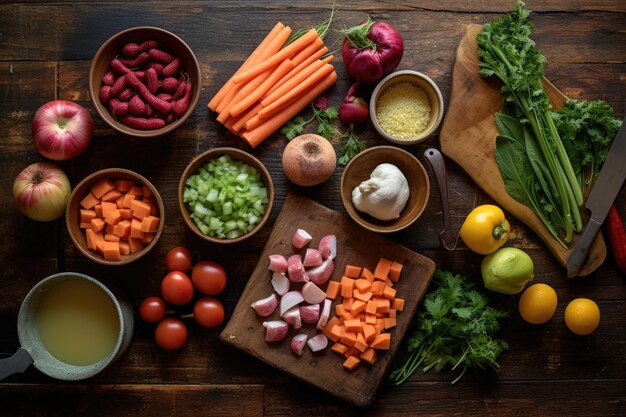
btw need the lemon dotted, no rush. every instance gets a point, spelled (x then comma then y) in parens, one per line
(538, 303)
(582, 316)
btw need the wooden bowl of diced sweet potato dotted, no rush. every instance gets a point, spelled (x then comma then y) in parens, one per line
(115, 216)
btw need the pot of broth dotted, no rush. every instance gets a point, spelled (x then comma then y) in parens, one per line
(71, 327)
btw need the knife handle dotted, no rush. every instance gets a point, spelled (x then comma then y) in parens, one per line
(578, 256)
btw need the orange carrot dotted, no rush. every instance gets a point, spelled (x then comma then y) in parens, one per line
(395, 270)
(382, 269)
(296, 81)
(259, 134)
(287, 52)
(102, 187)
(270, 49)
(89, 201)
(352, 271)
(216, 100)
(297, 69)
(352, 362)
(368, 356)
(280, 71)
(307, 52)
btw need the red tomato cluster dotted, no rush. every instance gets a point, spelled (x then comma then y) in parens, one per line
(208, 278)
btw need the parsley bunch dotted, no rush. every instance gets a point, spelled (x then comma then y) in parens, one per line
(325, 118)
(455, 327)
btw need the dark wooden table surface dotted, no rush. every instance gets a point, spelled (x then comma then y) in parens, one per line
(45, 52)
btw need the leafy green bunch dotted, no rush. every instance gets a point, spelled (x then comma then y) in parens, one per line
(455, 327)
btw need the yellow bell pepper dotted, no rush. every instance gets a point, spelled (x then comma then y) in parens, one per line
(485, 229)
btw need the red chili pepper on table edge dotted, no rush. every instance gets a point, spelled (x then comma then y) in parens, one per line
(617, 237)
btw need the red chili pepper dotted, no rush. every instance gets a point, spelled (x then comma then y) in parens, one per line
(617, 237)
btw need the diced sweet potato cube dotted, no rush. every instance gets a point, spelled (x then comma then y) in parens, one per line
(100, 246)
(346, 316)
(126, 213)
(148, 237)
(146, 191)
(372, 306)
(357, 307)
(351, 351)
(347, 286)
(124, 185)
(353, 325)
(98, 209)
(352, 362)
(368, 332)
(340, 309)
(87, 215)
(124, 248)
(389, 323)
(389, 293)
(335, 332)
(383, 305)
(119, 201)
(370, 318)
(128, 199)
(135, 229)
(382, 269)
(329, 325)
(107, 208)
(339, 348)
(332, 290)
(381, 341)
(85, 225)
(392, 313)
(89, 201)
(360, 343)
(111, 195)
(377, 288)
(111, 251)
(363, 296)
(97, 224)
(122, 228)
(109, 228)
(135, 244)
(397, 304)
(348, 338)
(352, 271)
(114, 217)
(367, 274)
(111, 238)
(153, 208)
(92, 239)
(135, 190)
(347, 302)
(362, 284)
(395, 270)
(102, 187)
(140, 209)
(369, 356)
(150, 224)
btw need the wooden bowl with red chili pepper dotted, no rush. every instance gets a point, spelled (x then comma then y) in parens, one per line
(144, 82)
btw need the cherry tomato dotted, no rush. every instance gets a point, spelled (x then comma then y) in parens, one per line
(177, 288)
(208, 312)
(152, 309)
(208, 277)
(171, 334)
(178, 259)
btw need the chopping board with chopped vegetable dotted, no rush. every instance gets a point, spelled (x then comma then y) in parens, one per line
(355, 246)
(468, 138)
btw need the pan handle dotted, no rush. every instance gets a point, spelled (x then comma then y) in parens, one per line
(18, 363)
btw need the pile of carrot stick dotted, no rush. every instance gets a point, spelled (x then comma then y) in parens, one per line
(274, 84)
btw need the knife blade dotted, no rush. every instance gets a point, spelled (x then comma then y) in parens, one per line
(601, 197)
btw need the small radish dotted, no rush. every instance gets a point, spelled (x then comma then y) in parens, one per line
(312, 257)
(324, 315)
(170, 84)
(105, 94)
(266, 306)
(290, 299)
(126, 94)
(108, 78)
(180, 90)
(157, 67)
(295, 269)
(310, 314)
(312, 293)
(142, 123)
(136, 106)
(278, 263)
(317, 342)
(328, 246)
(301, 238)
(152, 80)
(320, 274)
(292, 317)
(181, 105)
(172, 68)
(275, 330)
(160, 56)
(130, 50)
(118, 86)
(280, 283)
(298, 342)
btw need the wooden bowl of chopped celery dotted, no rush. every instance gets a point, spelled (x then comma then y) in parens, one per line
(406, 107)
(225, 195)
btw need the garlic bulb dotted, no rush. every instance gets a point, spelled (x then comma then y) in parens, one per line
(384, 195)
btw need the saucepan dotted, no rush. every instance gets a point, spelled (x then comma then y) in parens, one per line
(71, 327)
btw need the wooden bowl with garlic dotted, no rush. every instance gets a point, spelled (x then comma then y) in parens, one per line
(385, 189)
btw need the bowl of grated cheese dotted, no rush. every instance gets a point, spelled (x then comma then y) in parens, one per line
(406, 107)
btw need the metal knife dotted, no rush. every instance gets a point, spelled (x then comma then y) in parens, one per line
(602, 195)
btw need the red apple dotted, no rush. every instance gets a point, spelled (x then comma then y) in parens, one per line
(41, 191)
(62, 130)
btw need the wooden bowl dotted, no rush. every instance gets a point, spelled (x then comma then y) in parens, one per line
(359, 170)
(113, 47)
(434, 97)
(240, 155)
(72, 213)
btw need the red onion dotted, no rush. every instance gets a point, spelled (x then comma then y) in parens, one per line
(353, 110)
(371, 50)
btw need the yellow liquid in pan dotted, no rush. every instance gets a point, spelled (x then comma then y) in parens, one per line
(77, 322)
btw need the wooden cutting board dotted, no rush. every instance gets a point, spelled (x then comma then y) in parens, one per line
(355, 245)
(468, 137)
